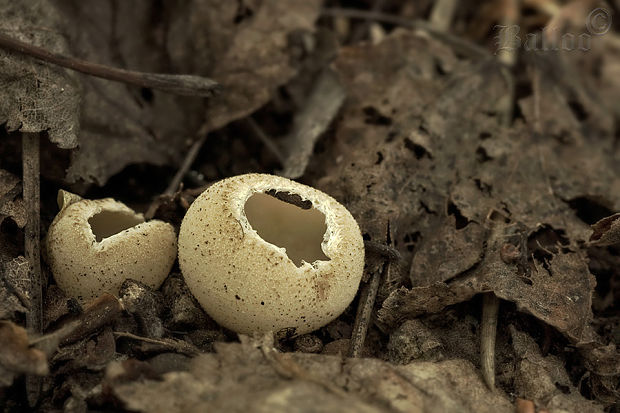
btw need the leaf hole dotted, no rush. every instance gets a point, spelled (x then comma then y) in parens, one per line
(418, 150)
(411, 239)
(374, 117)
(379, 158)
(590, 209)
(461, 221)
(482, 155)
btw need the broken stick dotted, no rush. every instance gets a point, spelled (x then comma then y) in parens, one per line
(32, 246)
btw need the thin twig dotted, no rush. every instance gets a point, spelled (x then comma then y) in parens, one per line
(179, 346)
(190, 157)
(175, 183)
(266, 140)
(32, 246)
(178, 84)
(506, 105)
(363, 29)
(488, 333)
(464, 46)
(443, 13)
(507, 52)
(364, 312)
(507, 55)
(386, 251)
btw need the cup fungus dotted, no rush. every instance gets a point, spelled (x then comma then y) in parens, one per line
(258, 263)
(95, 245)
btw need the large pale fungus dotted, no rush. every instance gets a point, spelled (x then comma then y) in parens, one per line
(263, 253)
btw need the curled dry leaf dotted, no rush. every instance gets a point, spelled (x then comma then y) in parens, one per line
(606, 231)
(557, 291)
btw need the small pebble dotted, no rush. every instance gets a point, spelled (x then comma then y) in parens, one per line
(308, 343)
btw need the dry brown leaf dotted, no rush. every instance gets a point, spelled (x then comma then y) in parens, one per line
(415, 147)
(464, 246)
(558, 291)
(240, 45)
(121, 124)
(37, 96)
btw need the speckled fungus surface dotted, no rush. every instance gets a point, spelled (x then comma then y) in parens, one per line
(257, 263)
(95, 245)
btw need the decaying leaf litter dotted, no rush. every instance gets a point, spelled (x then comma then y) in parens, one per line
(468, 181)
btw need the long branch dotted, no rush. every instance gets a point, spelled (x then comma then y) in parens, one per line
(178, 84)
(32, 246)
(462, 45)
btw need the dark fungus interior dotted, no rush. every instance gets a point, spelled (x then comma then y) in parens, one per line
(107, 223)
(288, 226)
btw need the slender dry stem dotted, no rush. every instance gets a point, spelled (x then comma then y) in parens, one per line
(190, 157)
(443, 14)
(32, 246)
(32, 243)
(266, 140)
(180, 346)
(364, 312)
(463, 46)
(177, 84)
(490, 310)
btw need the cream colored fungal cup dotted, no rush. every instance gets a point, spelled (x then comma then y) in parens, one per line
(258, 263)
(95, 245)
